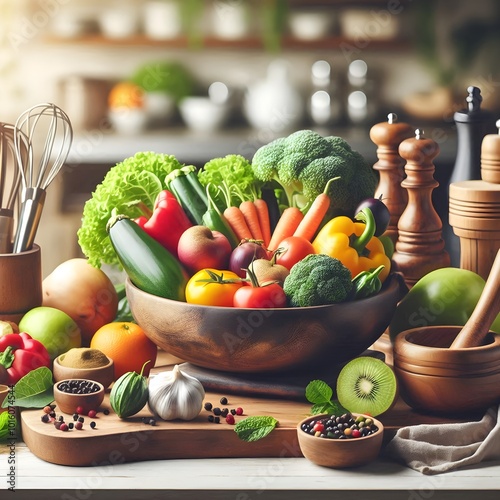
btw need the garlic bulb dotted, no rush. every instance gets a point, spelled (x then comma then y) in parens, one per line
(175, 395)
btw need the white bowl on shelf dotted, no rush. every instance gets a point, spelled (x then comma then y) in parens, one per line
(310, 24)
(203, 114)
(128, 121)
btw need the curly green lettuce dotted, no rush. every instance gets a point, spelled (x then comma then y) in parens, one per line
(135, 180)
(232, 179)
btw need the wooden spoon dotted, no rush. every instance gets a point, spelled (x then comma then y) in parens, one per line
(478, 325)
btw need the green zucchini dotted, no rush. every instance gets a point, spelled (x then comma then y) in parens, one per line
(148, 264)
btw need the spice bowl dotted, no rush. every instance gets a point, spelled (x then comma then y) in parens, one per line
(105, 374)
(69, 402)
(436, 379)
(340, 453)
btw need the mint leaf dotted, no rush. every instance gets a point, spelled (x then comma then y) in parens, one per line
(331, 408)
(4, 425)
(254, 428)
(318, 391)
(34, 390)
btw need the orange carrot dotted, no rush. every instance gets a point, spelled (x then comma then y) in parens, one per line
(236, 220)
(286, 226)
(264, 219)
(317, 211)
(249, 211)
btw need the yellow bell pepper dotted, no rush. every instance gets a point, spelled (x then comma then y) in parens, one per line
(353, 244)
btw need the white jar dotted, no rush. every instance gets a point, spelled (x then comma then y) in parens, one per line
(162, 19)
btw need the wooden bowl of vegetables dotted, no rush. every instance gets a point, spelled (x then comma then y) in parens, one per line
(256, 340)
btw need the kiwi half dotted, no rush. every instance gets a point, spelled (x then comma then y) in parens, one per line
(367, 385)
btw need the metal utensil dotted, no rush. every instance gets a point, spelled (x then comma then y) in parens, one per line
(36, 177)
(10, 182)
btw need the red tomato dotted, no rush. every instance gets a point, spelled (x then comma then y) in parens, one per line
(260, 297)
(295, 248)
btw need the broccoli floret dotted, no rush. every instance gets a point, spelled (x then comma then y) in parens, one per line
(317, 280)
(305, 161)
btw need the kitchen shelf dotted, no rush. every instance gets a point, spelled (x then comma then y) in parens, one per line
(253, 43)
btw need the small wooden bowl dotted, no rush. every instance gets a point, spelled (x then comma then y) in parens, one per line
(436, 379)
(68, 402)
(340, 453)
(102, 374)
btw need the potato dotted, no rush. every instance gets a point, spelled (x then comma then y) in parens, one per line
(83, 292)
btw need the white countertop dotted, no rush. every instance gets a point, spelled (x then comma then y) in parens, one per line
(242, 479)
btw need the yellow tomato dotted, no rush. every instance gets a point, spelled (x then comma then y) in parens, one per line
(212, 287)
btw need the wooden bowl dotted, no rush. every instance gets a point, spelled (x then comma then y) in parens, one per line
(262, 340)
(435, 379)
(340, 453)
(68, 402)
(105, 375)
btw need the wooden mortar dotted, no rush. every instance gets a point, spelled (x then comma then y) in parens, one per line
(453, 369)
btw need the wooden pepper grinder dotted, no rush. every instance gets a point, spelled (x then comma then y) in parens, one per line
(388, 136)
(490, 157)
(420, 246)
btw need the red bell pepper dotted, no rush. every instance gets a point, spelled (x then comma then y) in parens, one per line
(20, 354)
(167, 222)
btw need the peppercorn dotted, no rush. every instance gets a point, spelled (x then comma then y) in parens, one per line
(92, 413)
(208, 406)
(233, 411)
(224, 412)
(105, 411)
(217, 420)
(217, 411)
(78, 426)
(239, 411)
(71, 425)
(152, 421)
(64, 427)
(45, 418)
(210, 418)
(93, 424)
(230, 419)
(75, 416)
(47, 409)
(223, 400)
(81, 419)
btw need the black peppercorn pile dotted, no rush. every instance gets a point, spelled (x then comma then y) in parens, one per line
(341, 427)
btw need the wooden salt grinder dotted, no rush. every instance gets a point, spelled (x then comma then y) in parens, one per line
(420, 246)
(388, 136)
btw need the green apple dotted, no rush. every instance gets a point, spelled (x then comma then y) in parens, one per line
(53, 328)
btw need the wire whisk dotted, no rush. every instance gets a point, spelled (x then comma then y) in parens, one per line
(10, 182)
(50, 124)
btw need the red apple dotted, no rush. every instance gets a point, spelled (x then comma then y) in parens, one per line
(199, 247)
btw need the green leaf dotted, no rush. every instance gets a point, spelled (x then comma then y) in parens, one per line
(330, 408)
(318, 391)
(4, 425)
(35, 389)
(254, 428)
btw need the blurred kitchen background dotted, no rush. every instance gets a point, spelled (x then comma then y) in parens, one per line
(200, 79)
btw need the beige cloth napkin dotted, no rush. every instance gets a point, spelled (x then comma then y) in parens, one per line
(435, 448)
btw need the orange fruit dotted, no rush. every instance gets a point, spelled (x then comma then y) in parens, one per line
(127, 345)
(126, 95)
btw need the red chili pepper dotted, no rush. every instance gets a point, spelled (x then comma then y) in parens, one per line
(20, 354)
(167, 222)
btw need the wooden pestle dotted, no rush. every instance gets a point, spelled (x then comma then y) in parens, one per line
(478, 325)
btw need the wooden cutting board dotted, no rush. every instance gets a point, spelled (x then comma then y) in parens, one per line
(116, 441)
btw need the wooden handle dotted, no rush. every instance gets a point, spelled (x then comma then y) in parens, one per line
(477, 327)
